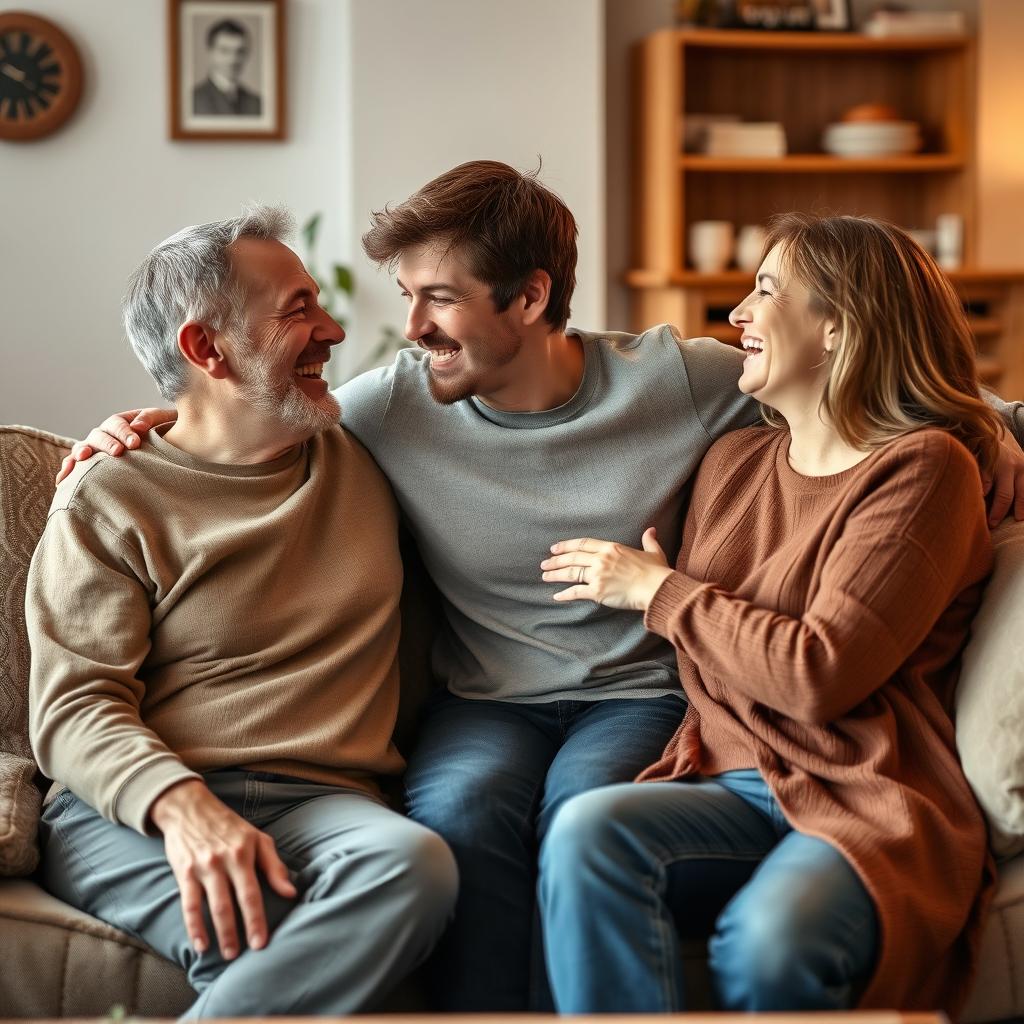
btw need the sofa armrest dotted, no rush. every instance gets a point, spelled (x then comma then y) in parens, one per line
(19, 815)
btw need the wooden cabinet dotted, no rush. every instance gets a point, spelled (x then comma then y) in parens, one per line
(806, 81)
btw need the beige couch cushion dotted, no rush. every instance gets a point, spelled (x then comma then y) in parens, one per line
(990, 697)
(998, 992)
(59, 962)
(29, 459)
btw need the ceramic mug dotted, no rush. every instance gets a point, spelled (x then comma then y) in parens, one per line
(711, 245)
(749, 245)
(949, 240)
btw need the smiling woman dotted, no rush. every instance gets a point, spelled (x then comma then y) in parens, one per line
(825, 836)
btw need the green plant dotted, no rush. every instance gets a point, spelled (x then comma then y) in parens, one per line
(336, 292)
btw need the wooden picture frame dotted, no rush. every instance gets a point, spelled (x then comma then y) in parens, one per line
(227, 69)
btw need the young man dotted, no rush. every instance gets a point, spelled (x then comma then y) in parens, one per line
(501, 431)
(214, 631)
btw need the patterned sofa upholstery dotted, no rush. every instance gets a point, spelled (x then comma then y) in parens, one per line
(58, 962)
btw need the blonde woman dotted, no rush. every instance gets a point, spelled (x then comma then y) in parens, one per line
(810, 814)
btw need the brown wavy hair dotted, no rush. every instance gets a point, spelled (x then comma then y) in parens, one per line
(904, 356)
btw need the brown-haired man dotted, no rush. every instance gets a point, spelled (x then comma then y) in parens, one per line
(501, 433)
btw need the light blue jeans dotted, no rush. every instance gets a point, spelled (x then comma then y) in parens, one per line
(629, 872)
(375, 892)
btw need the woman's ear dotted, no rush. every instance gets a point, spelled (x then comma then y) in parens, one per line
(830, 336)
(197, 342)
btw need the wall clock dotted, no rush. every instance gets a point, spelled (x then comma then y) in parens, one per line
(40, 76)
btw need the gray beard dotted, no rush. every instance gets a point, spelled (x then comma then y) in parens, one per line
(285, 400)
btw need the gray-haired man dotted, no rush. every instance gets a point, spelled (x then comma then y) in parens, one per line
(214, 628)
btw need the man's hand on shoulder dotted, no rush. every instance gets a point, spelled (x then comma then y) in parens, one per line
(215, 852)
(1006, 485)
(115, 435)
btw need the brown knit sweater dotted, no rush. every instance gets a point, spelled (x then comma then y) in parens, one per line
(819, 623)
(186, 616)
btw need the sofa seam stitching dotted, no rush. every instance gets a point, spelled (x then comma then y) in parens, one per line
(64, 973)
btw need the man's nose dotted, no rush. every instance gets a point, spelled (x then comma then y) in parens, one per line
(328, 331)
(416, 324)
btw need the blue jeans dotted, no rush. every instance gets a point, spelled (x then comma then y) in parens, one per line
(375, 891)
(629, 872)
(488, 776)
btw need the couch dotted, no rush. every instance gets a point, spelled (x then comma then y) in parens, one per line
(59, 962)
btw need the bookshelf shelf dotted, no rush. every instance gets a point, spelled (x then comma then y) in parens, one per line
(806, 81)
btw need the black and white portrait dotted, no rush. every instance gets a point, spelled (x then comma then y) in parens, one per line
(227, 69)
(223, 90)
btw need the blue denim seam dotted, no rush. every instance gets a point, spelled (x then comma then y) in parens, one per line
(667, 939)
(253, 798)
(68, 844)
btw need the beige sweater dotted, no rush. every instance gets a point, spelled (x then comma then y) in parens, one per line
(186, 616)
(819, 623)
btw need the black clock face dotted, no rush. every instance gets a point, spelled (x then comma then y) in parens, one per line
(31, 76)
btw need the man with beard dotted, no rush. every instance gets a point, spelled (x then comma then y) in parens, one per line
(214, 627)
(503, 432)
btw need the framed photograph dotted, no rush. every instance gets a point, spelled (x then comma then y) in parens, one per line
(832, 15)
(227, 69)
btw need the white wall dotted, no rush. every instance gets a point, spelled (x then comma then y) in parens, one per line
(384, 95)
(80, 209)
(436, 83)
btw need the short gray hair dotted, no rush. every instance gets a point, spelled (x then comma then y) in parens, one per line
(188, 277)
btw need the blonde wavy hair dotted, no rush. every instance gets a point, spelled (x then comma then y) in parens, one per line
(904, 356)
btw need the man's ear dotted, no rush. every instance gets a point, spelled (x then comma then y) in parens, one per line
(198, 343)
(535, 296)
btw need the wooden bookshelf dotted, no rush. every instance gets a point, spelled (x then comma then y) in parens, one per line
(806, 80)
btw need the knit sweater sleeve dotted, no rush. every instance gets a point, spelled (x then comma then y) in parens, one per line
(898, 564)
(88, 618)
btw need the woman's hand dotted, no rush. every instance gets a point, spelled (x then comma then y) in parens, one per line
(610, 574)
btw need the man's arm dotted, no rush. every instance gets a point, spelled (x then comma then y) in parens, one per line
(1005, 487)
(364, 401)
(89, 620)
(712, 372)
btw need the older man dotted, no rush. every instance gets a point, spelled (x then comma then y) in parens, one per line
(214, 628)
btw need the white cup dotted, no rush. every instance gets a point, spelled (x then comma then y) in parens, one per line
(749, 245)
(949, 240)
(711, 245)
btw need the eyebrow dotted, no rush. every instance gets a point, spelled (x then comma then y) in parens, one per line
(431, 288)
(300, 293)
(768, 277)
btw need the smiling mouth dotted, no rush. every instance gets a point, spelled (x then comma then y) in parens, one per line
(310, 370)
(442, 355)
(752, 346)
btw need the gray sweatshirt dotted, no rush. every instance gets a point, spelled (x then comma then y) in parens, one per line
(485, 494)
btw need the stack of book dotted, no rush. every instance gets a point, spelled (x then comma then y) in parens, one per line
(915, 23)
(746, 139)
